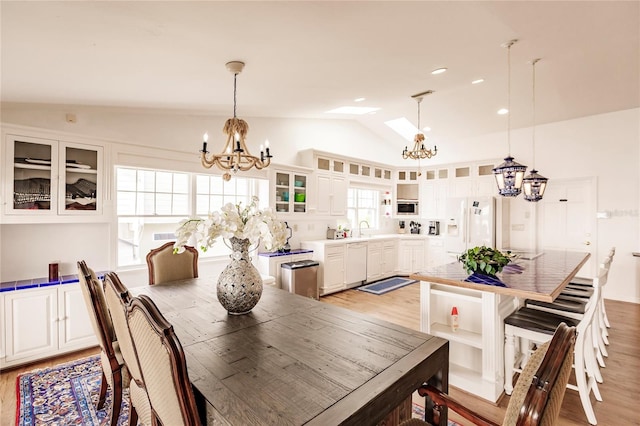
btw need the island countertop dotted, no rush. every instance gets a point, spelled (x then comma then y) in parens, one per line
(541, 278)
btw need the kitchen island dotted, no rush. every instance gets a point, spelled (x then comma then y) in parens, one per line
(476, 360)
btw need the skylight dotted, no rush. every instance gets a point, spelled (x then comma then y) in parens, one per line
(403, 127)
(352, 110)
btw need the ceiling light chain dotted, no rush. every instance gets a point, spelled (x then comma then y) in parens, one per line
(235, 157)
(419, 151)
(534, 184)
(509, 175)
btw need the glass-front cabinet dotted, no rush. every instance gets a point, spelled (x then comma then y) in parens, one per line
(290, 192)
(48, 177)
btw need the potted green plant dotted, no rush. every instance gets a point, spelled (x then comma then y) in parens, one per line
(484, 260)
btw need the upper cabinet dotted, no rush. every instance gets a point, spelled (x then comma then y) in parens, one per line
(289, 192)
(51, 179)
(473, 180)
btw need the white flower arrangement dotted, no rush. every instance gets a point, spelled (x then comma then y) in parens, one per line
(258, 226)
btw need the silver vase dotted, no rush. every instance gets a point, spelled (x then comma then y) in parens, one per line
(240, 284)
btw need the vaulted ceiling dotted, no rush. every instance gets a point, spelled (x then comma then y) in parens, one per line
(305, 58)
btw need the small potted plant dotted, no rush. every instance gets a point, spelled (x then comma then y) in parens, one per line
(484, 260)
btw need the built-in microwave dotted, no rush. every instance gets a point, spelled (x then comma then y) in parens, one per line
(407, 207)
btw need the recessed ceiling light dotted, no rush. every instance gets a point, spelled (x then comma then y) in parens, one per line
(478, 81)
(359, 99)
(352, 110)
(438, 71)
(503, 111)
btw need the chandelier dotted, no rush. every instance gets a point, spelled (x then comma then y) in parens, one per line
(534, 184)
(235, 155)
(419, 151)
(509, 175)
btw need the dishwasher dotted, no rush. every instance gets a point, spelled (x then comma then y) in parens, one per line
(355, 264)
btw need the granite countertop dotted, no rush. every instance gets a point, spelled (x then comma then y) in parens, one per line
(541, 278)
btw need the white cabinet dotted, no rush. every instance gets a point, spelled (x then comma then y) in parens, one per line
(476, 361)
(411, 256)
(389, 258)
(272, 265)
(381, 259)
(289, 192)
(51, 178)
(43, 322)
(433, 199)
(374, 260)
(436, 254)
(331, 259)
(473, 180)
(331, 194)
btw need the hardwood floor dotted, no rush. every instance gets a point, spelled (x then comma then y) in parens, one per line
(621, 376)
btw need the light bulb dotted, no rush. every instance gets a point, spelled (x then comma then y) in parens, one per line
(205, 137)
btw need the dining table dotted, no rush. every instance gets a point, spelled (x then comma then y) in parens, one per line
(294, 360)
(482, 302)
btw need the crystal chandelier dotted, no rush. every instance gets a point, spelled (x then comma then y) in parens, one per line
(419, 151)
(534, 184)
(509, 175)
(235, 155)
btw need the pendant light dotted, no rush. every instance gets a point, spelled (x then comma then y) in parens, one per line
(419, 151)
(235, 155)
(509, 175)
(534, 184)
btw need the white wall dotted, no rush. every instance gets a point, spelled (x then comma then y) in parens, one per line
(606, 146)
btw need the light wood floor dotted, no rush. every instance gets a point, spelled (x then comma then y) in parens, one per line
(620, 389)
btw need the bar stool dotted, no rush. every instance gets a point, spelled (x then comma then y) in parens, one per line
(532, 325)
(573, 303)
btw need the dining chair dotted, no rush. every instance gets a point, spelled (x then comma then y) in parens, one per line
(162, 364)
(539, 391)
(528, 325)
(165, 266)
(114, 373)
(118, 299)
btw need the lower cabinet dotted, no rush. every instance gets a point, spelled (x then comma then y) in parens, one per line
(381, 260)
(44, 322)
(273, 265)
(411, 256)
(331, 258)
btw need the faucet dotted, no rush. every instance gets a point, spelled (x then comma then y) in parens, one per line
(360, 227)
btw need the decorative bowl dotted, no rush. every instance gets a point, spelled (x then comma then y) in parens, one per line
(298, 183)
(299, 198)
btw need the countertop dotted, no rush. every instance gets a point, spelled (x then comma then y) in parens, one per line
(375, 237)
(541, 278)
(292, 252)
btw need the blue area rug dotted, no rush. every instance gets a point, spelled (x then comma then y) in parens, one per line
(385, 286)
(65, 394)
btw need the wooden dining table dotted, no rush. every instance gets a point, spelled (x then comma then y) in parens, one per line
(293, 360)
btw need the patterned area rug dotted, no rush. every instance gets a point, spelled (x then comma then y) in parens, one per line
(385, 286)
(65, 394)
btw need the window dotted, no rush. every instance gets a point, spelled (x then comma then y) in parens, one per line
(362, 204)
(151, 203)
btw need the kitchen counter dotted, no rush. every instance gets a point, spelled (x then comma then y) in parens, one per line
(375, 237)
(290, 253)
(541, 278)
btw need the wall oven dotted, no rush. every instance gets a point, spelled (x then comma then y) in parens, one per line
(407, 207)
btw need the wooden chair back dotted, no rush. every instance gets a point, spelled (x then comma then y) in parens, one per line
(165, 266)
(162, 363)
(112, 374)
(118, 300)
(538, 394)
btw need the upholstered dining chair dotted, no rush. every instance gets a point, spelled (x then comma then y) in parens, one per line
(166, 266)
(163, 365)
(539, 391)
(114, 374)
(118, 299)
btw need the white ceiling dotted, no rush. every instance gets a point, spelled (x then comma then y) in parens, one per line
(304, 58)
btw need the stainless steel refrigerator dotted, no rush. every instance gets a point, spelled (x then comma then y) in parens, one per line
(470, 222)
